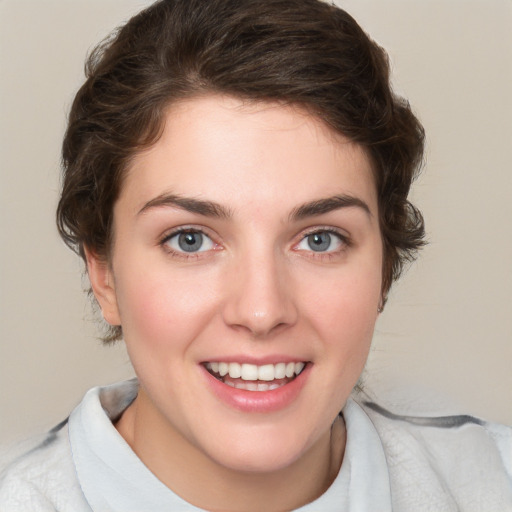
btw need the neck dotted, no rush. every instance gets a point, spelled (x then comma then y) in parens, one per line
(201, 481)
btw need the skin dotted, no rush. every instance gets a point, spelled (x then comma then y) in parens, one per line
(257, 291)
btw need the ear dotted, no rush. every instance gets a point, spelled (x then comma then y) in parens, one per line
(103, 286)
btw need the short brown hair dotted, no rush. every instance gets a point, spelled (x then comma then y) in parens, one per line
(303, 52)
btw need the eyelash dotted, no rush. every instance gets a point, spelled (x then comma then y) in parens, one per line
(344, 240)
(164, 243)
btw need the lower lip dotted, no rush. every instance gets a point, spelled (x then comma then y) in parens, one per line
(258, 401)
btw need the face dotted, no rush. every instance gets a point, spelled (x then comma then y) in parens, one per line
(246, 241)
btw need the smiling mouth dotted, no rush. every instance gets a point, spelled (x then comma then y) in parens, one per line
(251, 377)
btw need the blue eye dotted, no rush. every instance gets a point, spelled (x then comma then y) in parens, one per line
(189, 241)
(321, 241)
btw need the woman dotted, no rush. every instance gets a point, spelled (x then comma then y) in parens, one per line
(236, 179)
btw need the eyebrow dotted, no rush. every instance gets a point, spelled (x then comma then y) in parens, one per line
(189, 204)
(327, 205)
(213, 209)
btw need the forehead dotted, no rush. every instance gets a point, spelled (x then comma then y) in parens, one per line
(237, 152)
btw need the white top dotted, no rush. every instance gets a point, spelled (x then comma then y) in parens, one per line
(390, 463)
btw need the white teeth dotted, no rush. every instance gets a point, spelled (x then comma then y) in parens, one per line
(266, 372)
(252, 372)
(299, 367)
(223, 369)
(249, 372)
(235, 370)
(254, 386)
(280, 371)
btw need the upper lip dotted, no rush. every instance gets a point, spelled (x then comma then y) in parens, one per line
(258, 361)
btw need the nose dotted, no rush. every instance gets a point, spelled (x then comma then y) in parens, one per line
(260, 299)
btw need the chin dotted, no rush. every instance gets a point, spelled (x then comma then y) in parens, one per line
(264, 450)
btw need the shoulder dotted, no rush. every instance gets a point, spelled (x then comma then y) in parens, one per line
(447, 434)
(42, 477)
(459, 459)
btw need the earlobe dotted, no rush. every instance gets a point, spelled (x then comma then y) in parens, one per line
(102, 283)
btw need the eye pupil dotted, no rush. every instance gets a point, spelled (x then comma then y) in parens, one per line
(190, 242)
(319, 241)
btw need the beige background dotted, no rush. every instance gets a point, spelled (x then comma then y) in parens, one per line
(447, 330)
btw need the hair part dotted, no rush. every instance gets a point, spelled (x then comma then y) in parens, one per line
(300, 52)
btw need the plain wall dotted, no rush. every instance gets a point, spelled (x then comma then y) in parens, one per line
(447, 329)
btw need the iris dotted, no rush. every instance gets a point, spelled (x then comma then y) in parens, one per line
(319, 242)
(190, 242)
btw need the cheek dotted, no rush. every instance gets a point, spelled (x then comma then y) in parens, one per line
(161, 308)
(343, 310)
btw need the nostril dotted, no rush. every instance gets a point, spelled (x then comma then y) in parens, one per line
(258, 300)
